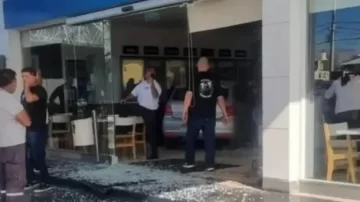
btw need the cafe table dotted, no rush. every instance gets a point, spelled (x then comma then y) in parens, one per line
(350, 135)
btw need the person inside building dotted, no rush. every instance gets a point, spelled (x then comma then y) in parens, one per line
(34, 100)
(347, 99)
(199, 113)
(13, 120)
(59, 93)
(147, 94)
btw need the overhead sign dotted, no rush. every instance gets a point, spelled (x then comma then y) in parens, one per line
(207, 52)
(240, 53)
(224, 53)
(171, 51)
(151, 50)
(130, 50)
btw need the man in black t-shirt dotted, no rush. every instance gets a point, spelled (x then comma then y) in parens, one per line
(59, 92)
(200, 113)
(34, 100)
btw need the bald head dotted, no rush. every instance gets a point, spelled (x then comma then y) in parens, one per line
(203, 64)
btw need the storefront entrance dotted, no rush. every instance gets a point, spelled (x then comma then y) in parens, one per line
(88, 69)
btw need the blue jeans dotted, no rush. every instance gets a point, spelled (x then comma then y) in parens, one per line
(207, 125)
(35, 155)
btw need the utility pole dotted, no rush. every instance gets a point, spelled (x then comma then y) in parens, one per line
(332, 42)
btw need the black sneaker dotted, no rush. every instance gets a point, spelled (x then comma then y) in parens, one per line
(31, 185)
(188, 165)
(42, 188)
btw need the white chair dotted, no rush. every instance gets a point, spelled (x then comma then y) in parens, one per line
(60, 119)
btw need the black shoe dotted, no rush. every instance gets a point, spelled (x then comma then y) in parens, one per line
(31, 185)
(42, 188)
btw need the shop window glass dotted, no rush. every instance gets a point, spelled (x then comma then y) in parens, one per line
(334, 88)
(73, 63)
(132, 74)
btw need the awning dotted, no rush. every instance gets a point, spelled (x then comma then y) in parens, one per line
(28, 13)
(123, 10)
(352, 62)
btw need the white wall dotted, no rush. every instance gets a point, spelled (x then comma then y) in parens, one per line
(214, 14)
(284, 72)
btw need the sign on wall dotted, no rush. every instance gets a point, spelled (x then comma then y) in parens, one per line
(171, 51)
(151, 50)
(240, 53)
(225, 53)
(207, 52)
(131, 50)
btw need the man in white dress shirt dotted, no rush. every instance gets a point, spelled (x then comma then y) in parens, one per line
(147, 93)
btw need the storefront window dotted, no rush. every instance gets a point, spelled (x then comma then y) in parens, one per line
(74, 62)
(335, 90)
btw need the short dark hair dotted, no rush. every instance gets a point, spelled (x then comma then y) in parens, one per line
(6, 77)
(29, 70)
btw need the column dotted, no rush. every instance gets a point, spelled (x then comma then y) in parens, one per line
(284, 66)
(15, 58)
(109, 92)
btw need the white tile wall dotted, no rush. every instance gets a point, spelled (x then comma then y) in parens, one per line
(275, 157)
(275, 50)
(283, 60)
(275, 102)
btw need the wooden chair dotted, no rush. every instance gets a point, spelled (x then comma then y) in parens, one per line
(128, 140)
(66, 133)
(140, 135)
(337, 151)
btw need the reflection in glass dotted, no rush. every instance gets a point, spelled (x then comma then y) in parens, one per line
(132, 74)
(74, 62)
(175, 73)
(334, 66)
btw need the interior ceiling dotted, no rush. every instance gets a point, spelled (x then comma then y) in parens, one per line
(174, 17)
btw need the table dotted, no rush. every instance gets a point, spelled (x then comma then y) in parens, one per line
(349, 133)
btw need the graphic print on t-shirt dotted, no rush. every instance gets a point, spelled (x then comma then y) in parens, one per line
(206, 88)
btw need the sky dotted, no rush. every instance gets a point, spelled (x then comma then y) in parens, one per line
(347, 35)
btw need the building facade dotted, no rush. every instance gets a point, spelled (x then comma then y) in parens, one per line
(304, 43)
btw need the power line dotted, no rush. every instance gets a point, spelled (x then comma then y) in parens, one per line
(344, 39)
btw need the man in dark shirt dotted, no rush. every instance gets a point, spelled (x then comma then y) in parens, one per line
(34, 100)
(200, 113)
(59, 93)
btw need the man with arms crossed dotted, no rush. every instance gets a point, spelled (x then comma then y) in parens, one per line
(34, 100)
(201, 115)
(147, 93)
(13, 120)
